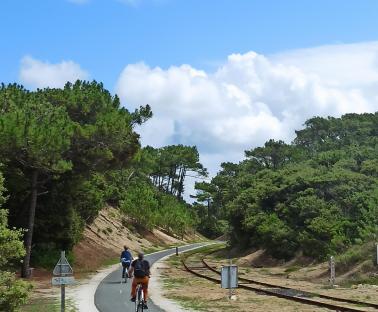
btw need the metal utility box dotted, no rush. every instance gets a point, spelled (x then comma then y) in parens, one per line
(229, 276)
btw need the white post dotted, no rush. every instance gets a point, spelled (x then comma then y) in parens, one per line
(332, 271)
(377, 254)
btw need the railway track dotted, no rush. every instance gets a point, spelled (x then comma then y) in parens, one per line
(292, 294)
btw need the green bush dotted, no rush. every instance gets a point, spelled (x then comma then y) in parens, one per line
(356, 254)
(13, 292)
(47, 256)
(149, 208)
(212, 227)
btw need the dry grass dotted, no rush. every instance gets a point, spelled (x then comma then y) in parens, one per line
(197, 294)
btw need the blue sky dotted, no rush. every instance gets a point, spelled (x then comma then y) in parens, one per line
(105, 35)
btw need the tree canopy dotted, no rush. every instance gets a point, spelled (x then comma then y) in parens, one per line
(317, 195)
(68, 152)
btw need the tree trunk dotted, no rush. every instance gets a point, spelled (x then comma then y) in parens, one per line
(168, 183)
(173, 174)
(181, 182)
(29, 234)
(159, 183)
(177, 190)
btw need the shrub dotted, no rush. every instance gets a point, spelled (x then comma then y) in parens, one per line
(13, 293)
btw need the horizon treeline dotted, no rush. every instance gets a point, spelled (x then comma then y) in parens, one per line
(316, 196)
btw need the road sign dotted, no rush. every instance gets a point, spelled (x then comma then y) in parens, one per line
(63, 280)
(229, 276)
(61, 270)
(62, 267)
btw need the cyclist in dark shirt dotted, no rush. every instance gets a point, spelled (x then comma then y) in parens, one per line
(141, 269)
(126, 258)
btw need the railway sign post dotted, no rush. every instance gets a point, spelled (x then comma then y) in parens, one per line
(332, 271)
(229, 277)
(62, 268)
(62, 276)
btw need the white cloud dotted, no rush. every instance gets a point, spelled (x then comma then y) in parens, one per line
(251, 97)
(346, 65)
(38, 74)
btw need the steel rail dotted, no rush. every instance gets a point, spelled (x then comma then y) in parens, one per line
(366, 304)
(279, 295)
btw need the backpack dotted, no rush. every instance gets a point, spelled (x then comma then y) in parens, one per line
(139, 270)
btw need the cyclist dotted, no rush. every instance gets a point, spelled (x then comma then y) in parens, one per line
(141, 269)
(126, 258)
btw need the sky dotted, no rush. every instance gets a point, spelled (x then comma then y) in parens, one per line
(223, 75)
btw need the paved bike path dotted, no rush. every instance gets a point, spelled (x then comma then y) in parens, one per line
(112, 296)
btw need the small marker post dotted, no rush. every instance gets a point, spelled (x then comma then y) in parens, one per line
(62, 287)
(332, 271)
(229, 281)
(176, 251)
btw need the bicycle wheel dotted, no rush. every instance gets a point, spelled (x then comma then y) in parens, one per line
(140, 300)
(126, 275)
(137, 299)
(140, 307)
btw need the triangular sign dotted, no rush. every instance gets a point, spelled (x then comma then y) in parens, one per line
(62, 267)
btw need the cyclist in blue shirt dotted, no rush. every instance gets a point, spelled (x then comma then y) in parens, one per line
(126, 258)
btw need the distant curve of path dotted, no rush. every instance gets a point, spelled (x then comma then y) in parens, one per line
(112, 296)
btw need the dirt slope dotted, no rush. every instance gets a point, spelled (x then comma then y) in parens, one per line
(105, 237)
(304, 269)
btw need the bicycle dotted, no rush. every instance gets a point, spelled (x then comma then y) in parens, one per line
(139, 300)
(126, 276)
